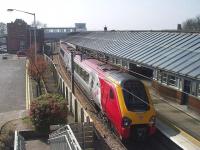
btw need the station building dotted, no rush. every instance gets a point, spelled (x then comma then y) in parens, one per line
(170, 58)
(20, 36)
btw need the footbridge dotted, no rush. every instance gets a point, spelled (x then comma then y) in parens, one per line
(55, 33)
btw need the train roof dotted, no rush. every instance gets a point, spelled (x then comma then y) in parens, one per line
(103, 69)
(121, 77)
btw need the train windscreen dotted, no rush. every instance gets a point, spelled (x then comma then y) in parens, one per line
(135, 96)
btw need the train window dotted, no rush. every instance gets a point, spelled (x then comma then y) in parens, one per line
(76, 67)
(92, 83)
(111, 93)
(135, 96)
(87, 77)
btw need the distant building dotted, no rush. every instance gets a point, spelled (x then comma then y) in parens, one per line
(21, 36)
(80, 27)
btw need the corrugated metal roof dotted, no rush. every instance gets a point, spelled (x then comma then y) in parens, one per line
(175, 52)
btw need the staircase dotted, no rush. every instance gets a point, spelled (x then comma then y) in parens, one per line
(75, 136)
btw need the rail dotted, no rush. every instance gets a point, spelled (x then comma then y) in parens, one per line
(63, 139)
(19, 142)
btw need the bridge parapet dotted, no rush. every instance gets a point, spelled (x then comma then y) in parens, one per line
(57, 33)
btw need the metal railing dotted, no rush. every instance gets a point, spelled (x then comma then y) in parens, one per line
(63, 139)
(19, 142)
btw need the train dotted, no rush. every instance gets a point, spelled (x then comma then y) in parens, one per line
(121, 97)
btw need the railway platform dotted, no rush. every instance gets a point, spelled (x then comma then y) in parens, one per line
(177, 122)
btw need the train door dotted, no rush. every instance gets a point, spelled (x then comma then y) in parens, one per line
(112, 107)
(186, 90)
(104, 93)
(95, 89)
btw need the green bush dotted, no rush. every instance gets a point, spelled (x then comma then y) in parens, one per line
(49, 109)
(7, 138)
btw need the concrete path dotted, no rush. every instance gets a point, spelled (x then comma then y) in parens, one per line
(38, 144)
(50, 82)
(12, 115)
(12, 84)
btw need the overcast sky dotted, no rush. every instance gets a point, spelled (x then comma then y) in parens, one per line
(115, 14)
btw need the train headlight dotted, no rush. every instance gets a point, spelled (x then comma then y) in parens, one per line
(152, 120)
(126, 122)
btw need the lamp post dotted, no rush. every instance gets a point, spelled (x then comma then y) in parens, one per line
(35, 58)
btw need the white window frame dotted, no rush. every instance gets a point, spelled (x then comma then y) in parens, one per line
(193, 88)
(172, 82)
(198, 90)
(164, 77)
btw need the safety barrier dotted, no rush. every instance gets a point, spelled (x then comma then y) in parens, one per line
(74, 105)
(63, 139)
(19, 142)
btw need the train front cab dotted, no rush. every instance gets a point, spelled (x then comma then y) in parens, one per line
(127, 121)
(138, 113)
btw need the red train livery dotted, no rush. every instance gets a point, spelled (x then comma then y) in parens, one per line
(122, 98)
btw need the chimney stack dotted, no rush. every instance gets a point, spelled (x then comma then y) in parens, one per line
(179, 27)
(105, 28)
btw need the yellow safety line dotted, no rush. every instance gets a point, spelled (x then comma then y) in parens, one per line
(27, 88)
(183, 133)
(189, 137)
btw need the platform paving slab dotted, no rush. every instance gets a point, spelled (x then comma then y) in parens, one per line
(177, 136)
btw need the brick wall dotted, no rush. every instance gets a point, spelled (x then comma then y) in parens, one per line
(17, 31)
(21, 31)
(165, 91)
(175, 95)
(194, 103)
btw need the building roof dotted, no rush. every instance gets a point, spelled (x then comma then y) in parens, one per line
(176, 52)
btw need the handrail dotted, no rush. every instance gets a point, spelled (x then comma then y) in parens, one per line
(70, 141)
(19, 142)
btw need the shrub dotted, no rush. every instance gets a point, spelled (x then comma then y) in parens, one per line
(47, 110)
(7, 138)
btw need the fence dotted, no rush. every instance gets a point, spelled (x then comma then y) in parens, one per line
(63, 139)
(82, 133)
(74, 105)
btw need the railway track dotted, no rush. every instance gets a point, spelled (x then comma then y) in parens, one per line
(113, 141)
(157, 142)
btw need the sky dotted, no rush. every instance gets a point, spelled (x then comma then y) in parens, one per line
(115, 14)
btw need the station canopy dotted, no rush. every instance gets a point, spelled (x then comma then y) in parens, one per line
(175, 52)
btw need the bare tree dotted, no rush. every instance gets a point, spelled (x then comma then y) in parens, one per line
(39, 24)
(192, 24)
(3, 28)
(36, 69)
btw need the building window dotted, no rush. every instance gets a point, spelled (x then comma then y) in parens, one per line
(155, 74)
(22, 45)
(164, 78)
(113, 60)
(124, 63)
(118, 61)
(198, 90)
(193, 88)
(159, 75)
(172, 80)
(180, 83)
